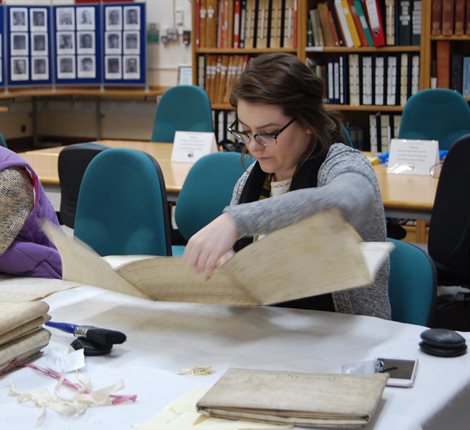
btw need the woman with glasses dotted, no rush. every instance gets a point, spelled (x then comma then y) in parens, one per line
(301, 168)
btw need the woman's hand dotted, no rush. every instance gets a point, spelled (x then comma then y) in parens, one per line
(211, 246)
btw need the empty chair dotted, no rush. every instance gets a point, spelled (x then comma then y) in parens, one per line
(182, 108)
(73, 160)
(435, 114)
(122, 206)
(412, 284)
(3, 142)
(449, 228)
(207, 190)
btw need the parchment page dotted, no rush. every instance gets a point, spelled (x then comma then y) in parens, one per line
(81, 264)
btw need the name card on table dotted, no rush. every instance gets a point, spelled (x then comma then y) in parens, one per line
(189, 146)
(413, 157)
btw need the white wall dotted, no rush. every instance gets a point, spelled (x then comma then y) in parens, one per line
(121, 119)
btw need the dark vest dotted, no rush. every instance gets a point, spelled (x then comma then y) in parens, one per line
(305, 177)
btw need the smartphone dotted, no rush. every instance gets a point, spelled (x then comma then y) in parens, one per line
(402, 372)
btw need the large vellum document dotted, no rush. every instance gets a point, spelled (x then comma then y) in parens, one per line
(318, 255)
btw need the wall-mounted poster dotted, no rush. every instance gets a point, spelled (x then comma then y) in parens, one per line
(40, 68)
(65, 18)
(19, 68)
(39, 44)
(113, 18)
(18, 19)
(86, 18)
(38, 19)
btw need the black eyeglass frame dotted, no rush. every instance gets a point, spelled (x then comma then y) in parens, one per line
(251, 136)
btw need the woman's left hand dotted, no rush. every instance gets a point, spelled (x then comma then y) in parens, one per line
(211, 246)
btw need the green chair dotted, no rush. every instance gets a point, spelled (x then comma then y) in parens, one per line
(182, 108)
(3, 142)
(206, 191)
(122, 205)
(435, 114)
(412, 284)
(73, 161)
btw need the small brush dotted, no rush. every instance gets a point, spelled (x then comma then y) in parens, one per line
(98, 335)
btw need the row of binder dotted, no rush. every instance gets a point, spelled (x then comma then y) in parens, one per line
(369, 79)
(218, 73)
(246, 23)
(360, 23)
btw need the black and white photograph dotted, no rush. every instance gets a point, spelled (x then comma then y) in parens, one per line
(131, 42)
(19, 43)
(65, 18)
(113, 42)
(18, 19)
(86, 66)
(85, 18)
(39, 44)
(40, 69)
(114, 18)
(38, 19)
(66, 67)
(19, 68)
(113, 67)
(66, 42)
(131, 18)
(86, 42)
(131, 67)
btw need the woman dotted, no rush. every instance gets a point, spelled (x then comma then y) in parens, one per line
(24, 248)
(299, 170)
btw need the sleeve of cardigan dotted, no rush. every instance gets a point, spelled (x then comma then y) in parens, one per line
(351, 192)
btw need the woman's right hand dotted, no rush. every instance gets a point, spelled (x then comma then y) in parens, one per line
(211, 246)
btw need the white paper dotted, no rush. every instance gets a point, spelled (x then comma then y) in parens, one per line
(413, 157)
(189, 146)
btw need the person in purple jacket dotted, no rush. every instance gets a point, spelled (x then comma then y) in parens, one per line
(24, 248)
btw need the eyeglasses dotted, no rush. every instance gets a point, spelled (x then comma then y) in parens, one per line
(263, 139)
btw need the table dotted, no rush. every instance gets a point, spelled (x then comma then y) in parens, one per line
(164, 338)
(404, 196)
(45, 163)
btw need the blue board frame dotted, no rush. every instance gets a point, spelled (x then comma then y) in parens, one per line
(28, 55)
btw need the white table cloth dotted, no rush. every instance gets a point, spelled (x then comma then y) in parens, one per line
(163, 338)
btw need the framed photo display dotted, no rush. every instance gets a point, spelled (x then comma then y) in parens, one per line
(28, 50)
(124, 50)
(70, 44)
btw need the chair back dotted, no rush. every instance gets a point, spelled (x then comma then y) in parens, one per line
(73, 160)
(412, 284)
(435, 114)
(122, 205)
(3, 142)
(182, 108)
(207, 190)
(449, 229)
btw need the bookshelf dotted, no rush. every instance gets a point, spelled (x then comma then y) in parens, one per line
(449, 45)
(372, 117)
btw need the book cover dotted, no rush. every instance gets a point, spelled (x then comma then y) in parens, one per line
(365, 25)
(447, 18)
(436, 17)
(416, 26)
(295, 398)
(459, 17)
(375, 20)
(404, 22)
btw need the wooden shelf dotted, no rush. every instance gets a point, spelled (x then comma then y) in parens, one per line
(452, 38)
(338, 49)
(240, 51)
(365, 108)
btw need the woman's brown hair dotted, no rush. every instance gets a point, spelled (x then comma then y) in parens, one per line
(283, 80)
